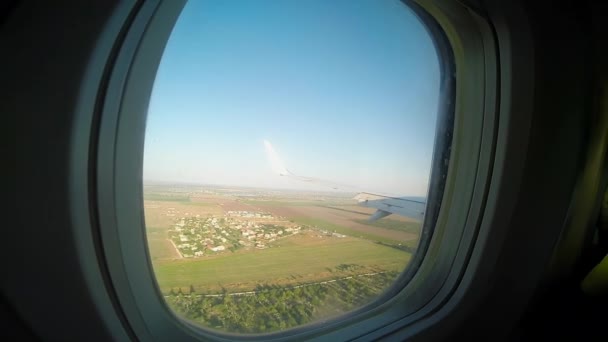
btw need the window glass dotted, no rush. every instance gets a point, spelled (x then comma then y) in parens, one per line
(287, 158)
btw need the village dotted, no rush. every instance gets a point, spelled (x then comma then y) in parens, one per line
(199, 236)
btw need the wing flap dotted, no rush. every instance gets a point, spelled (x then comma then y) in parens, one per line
(386, 205)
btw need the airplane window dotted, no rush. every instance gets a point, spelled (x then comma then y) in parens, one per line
(287, 159)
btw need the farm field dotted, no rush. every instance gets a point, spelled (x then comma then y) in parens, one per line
(298, 259)
(308, 256)
(162, 247)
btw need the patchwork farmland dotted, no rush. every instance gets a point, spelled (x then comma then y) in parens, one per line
(222, 242)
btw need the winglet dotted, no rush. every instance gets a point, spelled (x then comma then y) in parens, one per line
(276, 163)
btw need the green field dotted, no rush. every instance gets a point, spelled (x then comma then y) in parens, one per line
(199, 203)
(326, 225)
(294, 203)
(408, 227)
(166, 197)
(298, 279)
(288, 263)
(159, 245)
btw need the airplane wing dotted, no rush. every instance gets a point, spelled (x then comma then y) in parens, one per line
(385, 205)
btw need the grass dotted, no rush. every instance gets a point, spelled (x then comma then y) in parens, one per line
(332, 227)
(348, 210)
(408, 227)
(159, 246)
(289, 263)
(288, 203)
(200, 203)
(165, 197)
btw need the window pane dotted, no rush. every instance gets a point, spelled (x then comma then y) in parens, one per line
(287, 158)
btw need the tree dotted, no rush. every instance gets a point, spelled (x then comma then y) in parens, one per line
(192, 289)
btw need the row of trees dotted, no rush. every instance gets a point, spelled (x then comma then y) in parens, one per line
(274, 308)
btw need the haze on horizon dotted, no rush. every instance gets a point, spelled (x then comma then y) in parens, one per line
(346, 92)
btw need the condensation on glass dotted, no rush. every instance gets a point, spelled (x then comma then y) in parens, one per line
(287, 159)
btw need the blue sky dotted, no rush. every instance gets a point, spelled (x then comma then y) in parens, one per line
(346, 91)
